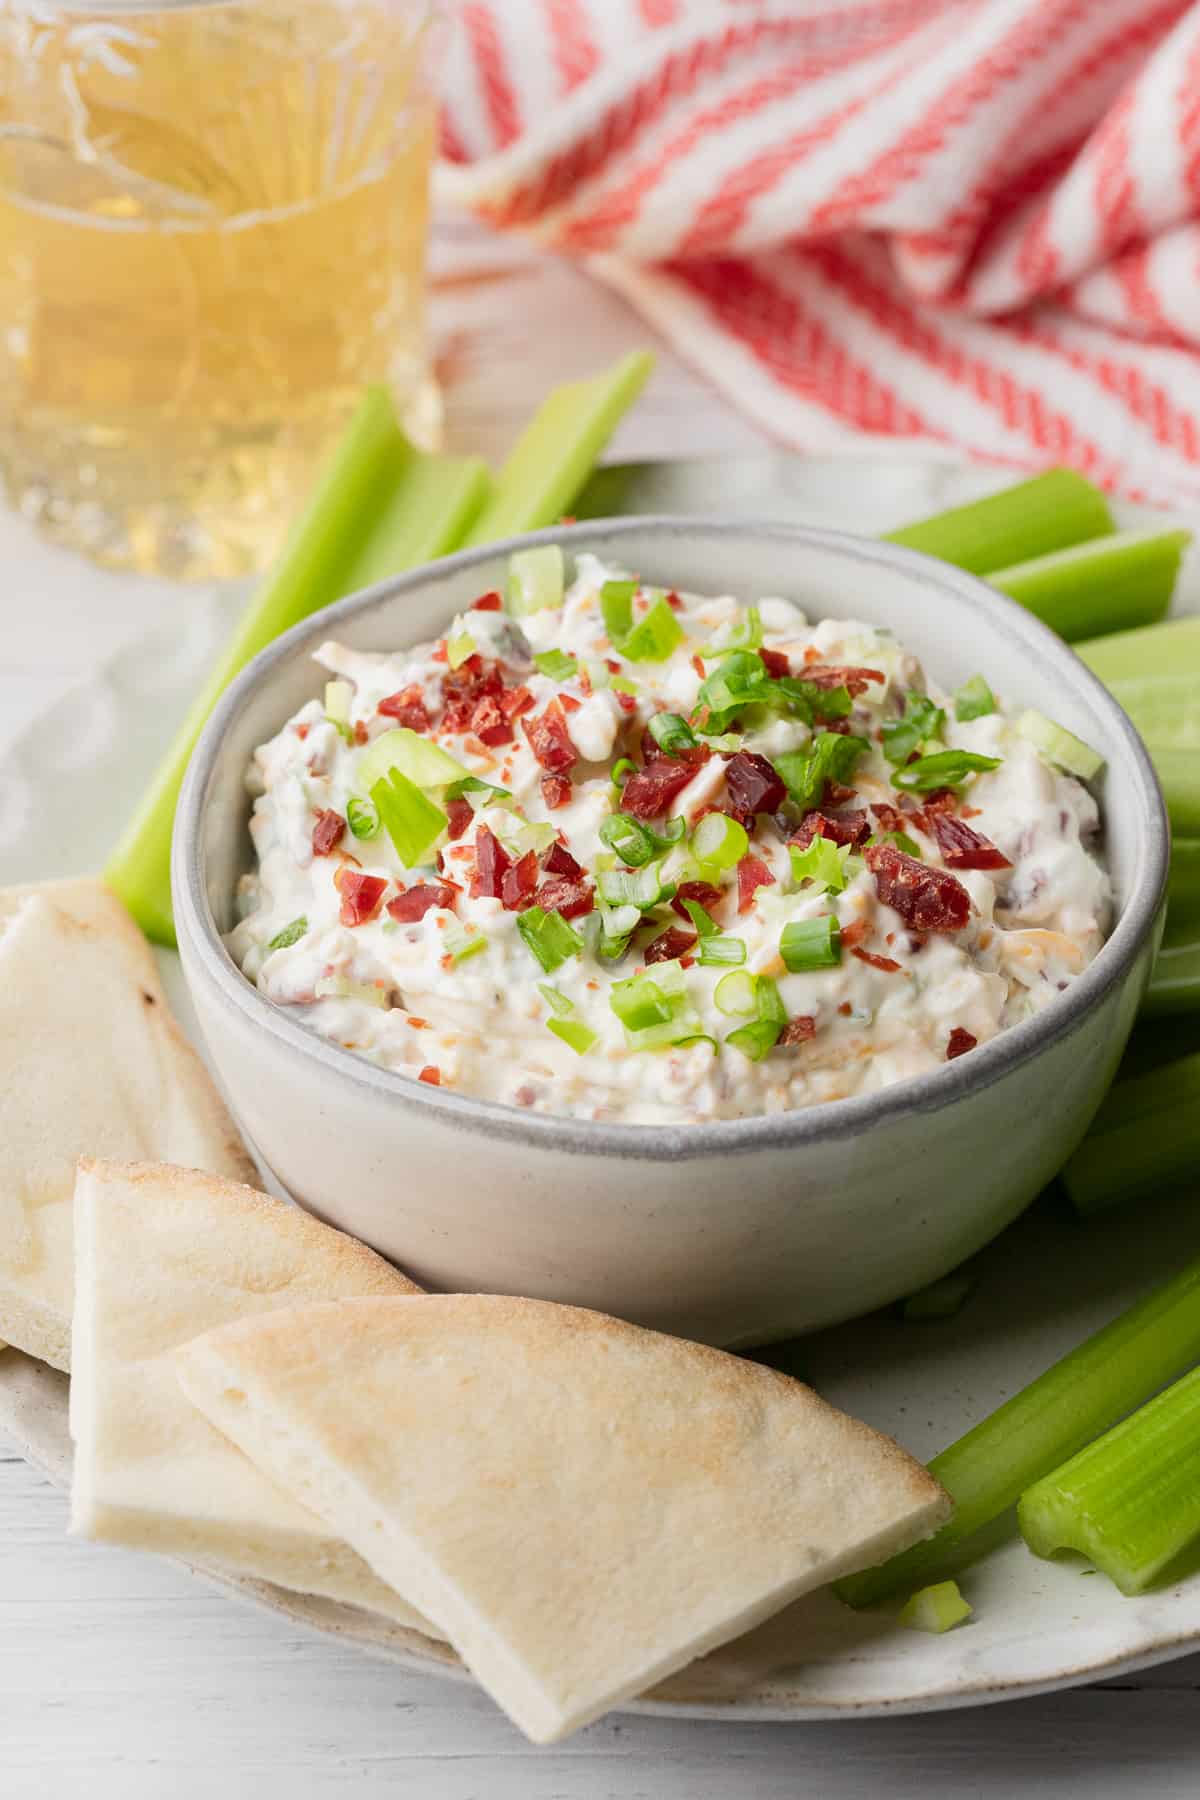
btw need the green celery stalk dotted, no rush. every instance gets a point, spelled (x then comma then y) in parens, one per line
(1112, 584)
(1178, 772)
(1131, 1500)
(1172, 648)
(1183, 888)
(1165, 709)
(423, 516)
(1174, 982)
(1146, 1137)
(1084, 1393)
(553, 456)
(1047, 513)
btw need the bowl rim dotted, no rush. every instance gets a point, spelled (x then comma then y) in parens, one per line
(823, 1123)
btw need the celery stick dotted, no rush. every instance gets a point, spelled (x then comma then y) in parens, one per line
(1183, 888)
(1146, 1137)
(1174, 981)
(1112, 584)
(1165, 709)
(424, 516)
(1178, 772)
(553, 456)
(1084, 1393)
(1172, 648)
(1047, 513)
(1130, 1501)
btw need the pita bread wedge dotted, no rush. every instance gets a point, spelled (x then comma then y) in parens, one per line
(582, 1506)
(164, 1253)
(91, 1063)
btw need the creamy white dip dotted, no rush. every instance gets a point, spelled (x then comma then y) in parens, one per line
(402, 993)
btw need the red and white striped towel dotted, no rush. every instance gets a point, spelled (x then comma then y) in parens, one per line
(971, 222)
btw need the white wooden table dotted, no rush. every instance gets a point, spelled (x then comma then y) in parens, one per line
(121, 1678)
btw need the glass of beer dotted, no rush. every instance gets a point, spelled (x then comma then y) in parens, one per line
(213, 217)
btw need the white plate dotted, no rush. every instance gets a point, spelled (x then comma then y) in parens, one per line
(66, 784)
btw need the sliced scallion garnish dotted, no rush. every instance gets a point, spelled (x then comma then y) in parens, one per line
(623, 768)
(672, 733)
(822, 862)
(417, 758)
(974, 700)
(706, 925)
(461, 945)
(762, 1033)
(471, 784)
(736, 995)
(807, 944)
(830, 757)
(946, 768)
(409, 817)
(558, 665)
(655, 637)
(535, 580)
(719, 842)
(574, 1033)
(556, 1000)
(635, 842)
(459, 646)
(641, 1000)
(721, 952)
(642, 887)
(616, 607)
(362, 816)
(548, 937)
(923, 719)
(291, 934)
(1060, 746)
(743, 634)
(338, 698)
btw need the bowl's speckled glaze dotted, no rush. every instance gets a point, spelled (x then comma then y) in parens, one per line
(737, 1231)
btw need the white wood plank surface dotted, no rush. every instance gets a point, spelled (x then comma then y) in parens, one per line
(122, 1678)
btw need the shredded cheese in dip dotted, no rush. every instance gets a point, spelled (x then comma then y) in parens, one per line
(965, 895)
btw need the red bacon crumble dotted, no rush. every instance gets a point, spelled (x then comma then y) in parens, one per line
(407, 707)
(940, 800)
(490, 602)
(550, 740)
(361, 894)
(559, 861)
(854, 933)
(518, 883)
(776, 663)
(797, 1031)
(491, 865)
(886, 963)
(698, 665)
(672, 944)
(650, 792)
(926, 899)
(556, 791)
(839, 828)
(360, 732)
(836, 793)
(328, 832)
(959, 1043)
(460, 813)
(701, 893)
(563, 895)
(963, 848)
(854, 680)
(489, 723)
(627, 703)
(845, 1009)
(753, 785)
(415, 902)
(515, 701)
(752, 873)
(569, 703)
(889, 818)
(431, 1074)
(674, 602)
(464, 688)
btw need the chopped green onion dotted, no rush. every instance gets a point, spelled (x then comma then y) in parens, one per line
(520, 835)
(623, 768)
(830, 757)
(635, 842)
(719, 842)
(471, 784)
(720, 952)
(940, 1300)
(762, 1034)
(740, 680)
(948, 768)
(338, 697)
(642, 887)
(616, 607)
(1131, 1500)
(655, 636)
(706, 925)
(291, 934)
(901, 840)
(736, 995)
(1045, 513)
(672, 733)
(1027, 1437)
(340, 987)
(974, 700)
(727, 742)
(617, 925)
(685, 1029)
(821, 861)
(1060, 746)
(1117, 583)
(459, 647)
(938, 1608)
(923, 719)
(536, 579)
(807, 944)
(557, 664)
(548, 937)
(574, 1033)
(409, 817)
(362, 816)
(417, 758)
(1145, 1139)
(742, 634)
(641, 1001)
(461, 945)
(620, 684)
(556, 1000)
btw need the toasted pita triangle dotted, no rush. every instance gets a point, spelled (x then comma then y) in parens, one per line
(163, 1253)
(581, 1506)
(91, 1063)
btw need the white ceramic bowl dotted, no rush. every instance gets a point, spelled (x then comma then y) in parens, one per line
(739, 1231)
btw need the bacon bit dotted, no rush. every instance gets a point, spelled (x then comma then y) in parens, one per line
(360, 732)
(963, 848)
(776, 663)
(463, 689)
(753, 785)
(559, 861)
(670, 945)
(302, 731)
(550, 740)
(752, 873)
(889, 818)
(489, 602)
(492, 863)
(556, 791)
(701, 893)
(489, 723)
(855, 681)
(969, 812)
(627, 703)
(886, 963)
(407, 707)
(797, 1031)
(926, 899)
(649, 793)
(460, 813)
(613, 667)
(328, 832)
(570, 898)
(960, 1042)
(440, 652)
(431, 1074)
(811, 655)
(674, 602)
(518, 883)
(414, 902)
(584, 679)
(845, 1008)
(839, 828)
(417, 1024)
(515, 701)
(362, 895)
(854, 932)
(698, 665)
(836, 793)
(940, 800)
(569, 703)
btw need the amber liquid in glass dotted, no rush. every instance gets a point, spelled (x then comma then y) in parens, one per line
(212, 235)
